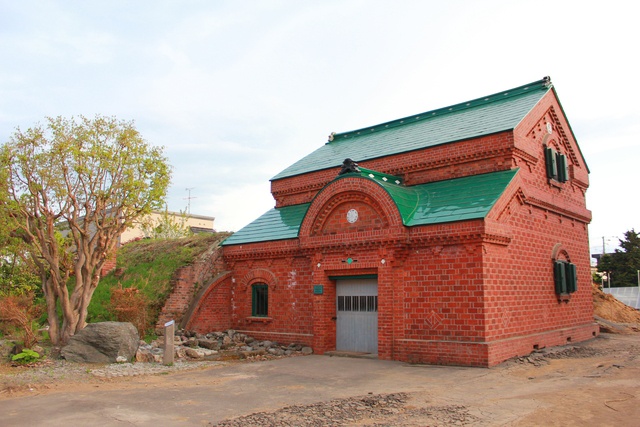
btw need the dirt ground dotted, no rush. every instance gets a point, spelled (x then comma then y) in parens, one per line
(594, 383)
(590, 384)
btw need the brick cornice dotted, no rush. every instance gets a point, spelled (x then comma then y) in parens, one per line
(364, 243)
(529, 158)
(372, 240)
(263, 250)
(314, 187)
(584, 217)
(451, 161)
(448, 240)
(579, 183)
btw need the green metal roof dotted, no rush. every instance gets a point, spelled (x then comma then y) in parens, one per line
(276, 224)
(457, 199)
(483, 116)
(432, 203)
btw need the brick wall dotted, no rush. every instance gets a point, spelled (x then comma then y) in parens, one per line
(467, 293)
(109, 264)
(212, 310)
(186, 282)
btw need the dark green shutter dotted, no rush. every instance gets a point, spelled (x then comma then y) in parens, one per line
(560, 277)
(572, 278)
(551, 162)
(563, 167)
(254, 300)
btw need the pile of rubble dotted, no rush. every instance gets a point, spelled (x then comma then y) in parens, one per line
(541, 357)
(225, 345)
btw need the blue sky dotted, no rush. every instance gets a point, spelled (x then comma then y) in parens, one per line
(238, 90)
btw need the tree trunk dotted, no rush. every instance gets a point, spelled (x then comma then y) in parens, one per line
(52, 314)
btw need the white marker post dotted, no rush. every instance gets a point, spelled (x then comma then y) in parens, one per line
(169, 333)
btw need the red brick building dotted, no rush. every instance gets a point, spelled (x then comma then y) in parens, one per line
(459, 238)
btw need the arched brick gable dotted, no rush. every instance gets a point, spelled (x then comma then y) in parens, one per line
(327, 213)
(332, 218)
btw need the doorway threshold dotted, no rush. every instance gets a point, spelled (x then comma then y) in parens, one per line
(354, 354)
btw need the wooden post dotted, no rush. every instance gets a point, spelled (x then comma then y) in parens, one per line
(169, 333)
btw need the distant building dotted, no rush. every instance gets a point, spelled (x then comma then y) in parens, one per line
(196, 223)
(458, 236)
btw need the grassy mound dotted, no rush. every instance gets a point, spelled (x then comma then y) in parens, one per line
(148, 265)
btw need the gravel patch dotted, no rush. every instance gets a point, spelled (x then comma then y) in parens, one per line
(50, 371)
(381, 410)
(116, 370)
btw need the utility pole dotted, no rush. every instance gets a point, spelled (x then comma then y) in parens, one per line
(606, 239)
(188, 199)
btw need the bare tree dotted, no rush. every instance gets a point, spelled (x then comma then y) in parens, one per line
(69, 190)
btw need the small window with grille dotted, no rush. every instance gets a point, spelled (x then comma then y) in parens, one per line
(358, 303)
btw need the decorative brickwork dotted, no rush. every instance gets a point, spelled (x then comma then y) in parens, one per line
(467, 292)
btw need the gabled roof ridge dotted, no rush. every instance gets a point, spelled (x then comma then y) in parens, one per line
(488, 115)
(484, 100)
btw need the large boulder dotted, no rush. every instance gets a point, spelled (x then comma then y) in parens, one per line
(104, 342)
(6, 348)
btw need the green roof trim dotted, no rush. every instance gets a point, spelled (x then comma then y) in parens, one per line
(483, 116)
(457, 199)
(375, 175)
(275, 224)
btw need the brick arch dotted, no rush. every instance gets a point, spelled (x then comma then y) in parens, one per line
(559, 253)
(259, 275)
(361, 193)
(216, 293)
(555, 144)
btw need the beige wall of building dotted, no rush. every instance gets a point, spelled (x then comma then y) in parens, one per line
(197, 223)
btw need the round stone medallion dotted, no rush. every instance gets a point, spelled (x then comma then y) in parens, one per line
(352, 216)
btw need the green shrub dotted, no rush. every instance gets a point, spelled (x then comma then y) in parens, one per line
(26, 356)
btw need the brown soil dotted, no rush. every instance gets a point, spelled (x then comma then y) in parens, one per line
(609, 308)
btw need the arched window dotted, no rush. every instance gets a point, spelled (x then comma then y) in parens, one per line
(564, 271)
(566, 279)
(557, 165)
(259, 300)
